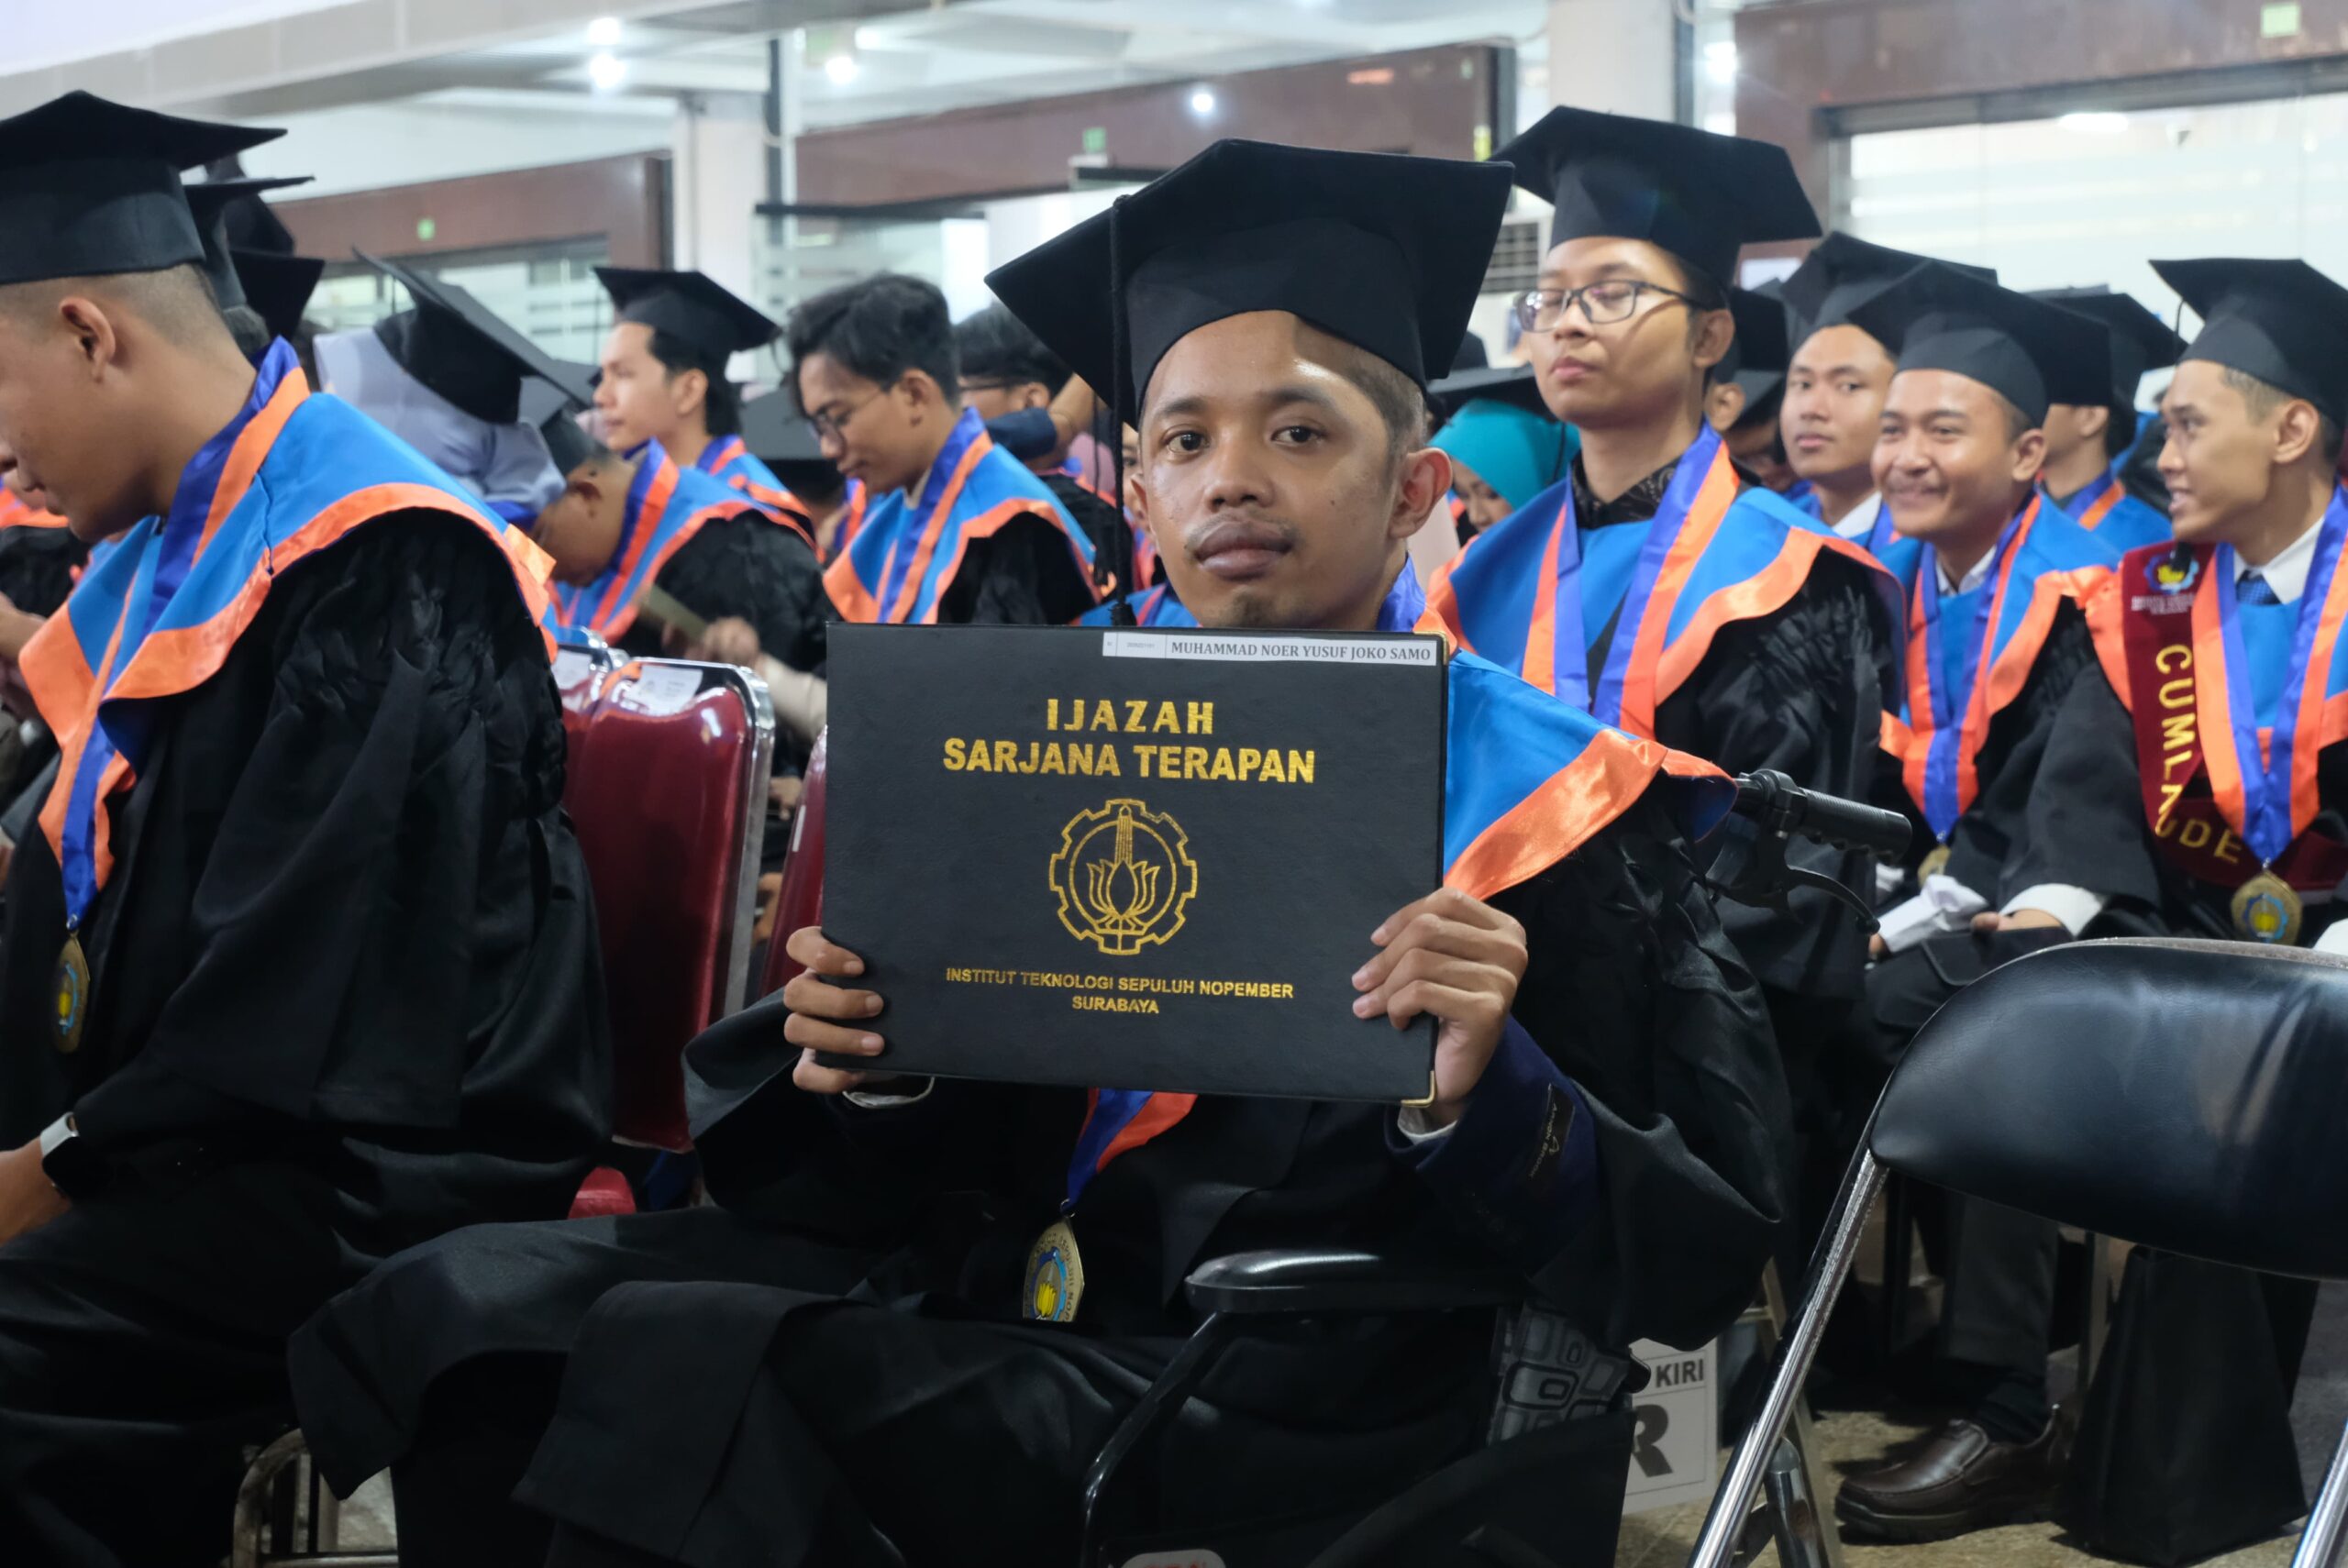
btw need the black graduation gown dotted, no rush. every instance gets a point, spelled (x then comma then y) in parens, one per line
(1021, 575)
(346, 997)
(695, 1425)
(2087, 827)
(1799, 689)
(750, 567)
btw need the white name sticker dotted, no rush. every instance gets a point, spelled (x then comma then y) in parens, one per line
(1271, 648)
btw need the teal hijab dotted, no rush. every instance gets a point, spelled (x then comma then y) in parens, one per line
(1517, 453)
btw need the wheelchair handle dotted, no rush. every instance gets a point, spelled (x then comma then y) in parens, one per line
(1779, 805)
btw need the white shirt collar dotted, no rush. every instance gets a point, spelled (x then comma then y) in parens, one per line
(1859, 522)
(2287, 574)
(1974, 576)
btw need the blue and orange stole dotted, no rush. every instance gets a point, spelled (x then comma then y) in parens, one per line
(2233, 706)
(1518, 596)
(903, 555)
(1528, 781)
(667, 505)
(725, 458)
(2106, 510)
(1969, 655)
(159, 614)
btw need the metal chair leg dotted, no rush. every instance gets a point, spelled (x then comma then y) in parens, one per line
(1803, 1528)
(1789, 1366)
(253, 1497)
(2327, 1530)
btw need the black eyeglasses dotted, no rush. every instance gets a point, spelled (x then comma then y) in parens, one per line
(835, 426)
(1604, 304)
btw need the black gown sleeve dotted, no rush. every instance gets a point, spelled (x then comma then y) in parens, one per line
(1023, 575)
(1990, 849)
(1799, 690)
(1636, 994)
(752, 567)
(2085, 824)
(365, 916)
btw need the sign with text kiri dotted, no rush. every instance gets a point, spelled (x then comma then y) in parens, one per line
(1133, 859)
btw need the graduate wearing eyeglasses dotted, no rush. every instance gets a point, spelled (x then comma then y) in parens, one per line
(1653, 587)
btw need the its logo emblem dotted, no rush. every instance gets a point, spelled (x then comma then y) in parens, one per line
(1124, 876)
(2173, 573)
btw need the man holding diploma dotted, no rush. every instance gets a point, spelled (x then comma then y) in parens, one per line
(866, 1355)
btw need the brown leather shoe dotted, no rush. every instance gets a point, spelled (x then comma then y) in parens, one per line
(1962, 1481)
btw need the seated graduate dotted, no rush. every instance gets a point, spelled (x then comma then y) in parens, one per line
(2203, 783)
(1010, 378)
(1654, 587)
(1836, 379)
(1604, 1118)
(2010, 608)
(952, 528)
(662, 376)
(2088, 444)
(1748, 388)
(1504, 444)
(300, 967)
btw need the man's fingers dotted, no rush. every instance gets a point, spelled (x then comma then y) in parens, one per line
(810, 995)
(1429, 931)
(809, 949)
(841, 1039)
(1448, 903)
(1447, 970)
(1449, 1003)
(816, 1079)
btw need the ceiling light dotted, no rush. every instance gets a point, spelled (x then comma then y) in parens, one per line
(1201, 102)
(1719, 62)
(2100, 122)
(604, 32)
(606, 71)
(1720, 122)
(870, 38)
(841, 68)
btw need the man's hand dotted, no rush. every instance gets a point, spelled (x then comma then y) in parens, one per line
(17, 629)
(825, 1017)
(1459, 960)
(27, 1200)
(2021, 920)
(730, 640)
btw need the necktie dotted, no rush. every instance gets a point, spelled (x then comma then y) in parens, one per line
(2256, 589)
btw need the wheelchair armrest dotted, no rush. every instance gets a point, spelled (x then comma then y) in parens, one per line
(1255, 1284)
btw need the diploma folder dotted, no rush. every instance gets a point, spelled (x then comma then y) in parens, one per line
(1134, 858)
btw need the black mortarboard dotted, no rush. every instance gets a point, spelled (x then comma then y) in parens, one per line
(1701, 196)
(776, 434)
(1472, 355)
(1515, 385)
(1382, 251)
(89, 187)
(460, 349)
(2141, 341)
(279, 287)
(1758, 349)
(689, 307)
(2282, 322)
(210, 203)
(1843, 272)
(554, 407)
(2034, 354)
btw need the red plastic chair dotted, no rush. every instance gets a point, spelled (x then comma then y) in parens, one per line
(801, 902)
(668, 796)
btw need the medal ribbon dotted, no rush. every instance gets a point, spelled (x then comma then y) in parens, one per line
(1952, 719)
(211, 485)
(2257, 775)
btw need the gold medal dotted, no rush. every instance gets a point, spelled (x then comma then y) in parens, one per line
(72, 993)
(1933, 864)
(1055, 1276)
(2267, 909)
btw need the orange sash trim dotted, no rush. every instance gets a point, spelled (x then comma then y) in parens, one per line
(2213, 707)
(1582, 798)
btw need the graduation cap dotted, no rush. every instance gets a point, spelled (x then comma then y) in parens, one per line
(279, 287)
(2141, 341)
(776, 434)
(210, 203)
(1382, 251)
(554, 407)
(1472, 355)
(1701, 196)
(2282, 322)
(690, 307)
(1515, 385)
(2034, 354)
(89, 187)
(459, 348)
(1758, 349)
(1843, 272)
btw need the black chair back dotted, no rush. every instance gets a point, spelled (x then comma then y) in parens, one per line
(2188, 1096)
